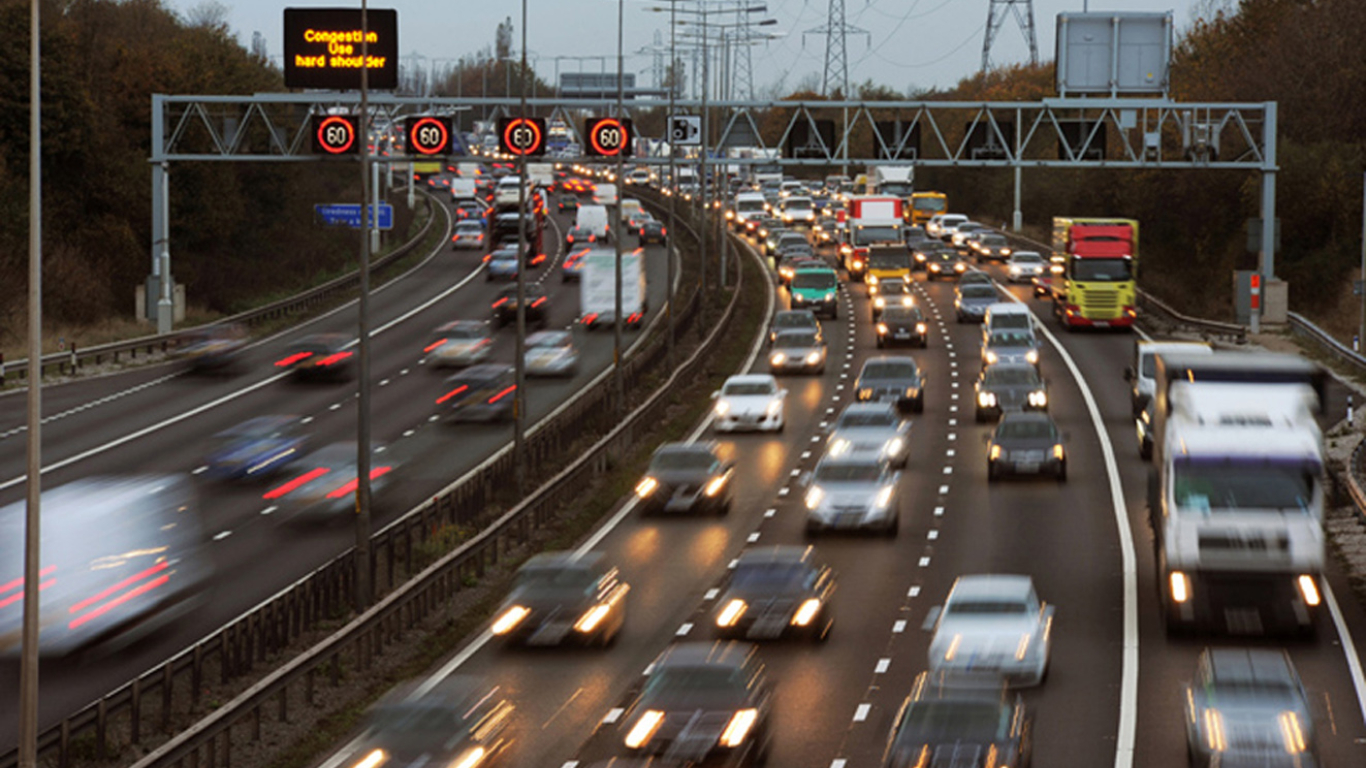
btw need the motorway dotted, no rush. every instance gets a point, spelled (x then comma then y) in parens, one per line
(1113, 695)
(158, 419)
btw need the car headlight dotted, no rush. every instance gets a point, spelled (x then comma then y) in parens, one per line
(921, 328)
(1038, 398)
(739, 727)
(722, 407)
(882, 328)
(590, 620)
(991, 357)
(778, 358)
(1058, 452)
(646, 486)
(774, 408)
(731, 613)
(814, 496)
(839, 447)
(471, 758)
(960, 267)
(373, 759)
(509, 619)
(714, 487)
(872, 280)
(1032, 356)
(806, 612)
(865, 393)
(884, 497)
(879, 302)
(830, 296)
(893, 447)
(994, 453)
(644, 729)
(986, 399)
(813, 358)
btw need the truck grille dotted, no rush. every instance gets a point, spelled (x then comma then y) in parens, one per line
(1100, 299)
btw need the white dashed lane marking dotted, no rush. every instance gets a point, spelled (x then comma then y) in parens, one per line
(914, 592)
(861, 713)
(684, 630)
(199, 470)
(711, 594)
(924, 562)
(221, 536)
(932, 535)
(899, 626)
(938, 511)
(943, 489)
(882, 665)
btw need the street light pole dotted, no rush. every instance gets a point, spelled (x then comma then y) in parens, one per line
(519, 349)
(619, 385)
(668, 238)
(363, 586)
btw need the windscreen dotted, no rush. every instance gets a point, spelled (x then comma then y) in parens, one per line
(900, 314)
(867, 235)
(747, 388)
(682, 460)
(980, 606)
(890, 369)
(1011, 375)
(1027, 258)
(847, 473)
(936, 721)
(815, 280)
(977, 291)
(1102, 270)
(867, 419)
(884, 260)
(1025, 430)
(1012, 340)
(1009, 320)
(1227, 486)
(794, 320)
(566, 579)
(769, 576)
(795, 340)
(930, 204)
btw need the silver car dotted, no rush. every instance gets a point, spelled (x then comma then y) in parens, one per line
(1248, 707)
(852, 492)
(1024, 266)
(992, 625)
(551, 353)
(1010, 345)
(458, 344)
(797, 351)
(875, 428)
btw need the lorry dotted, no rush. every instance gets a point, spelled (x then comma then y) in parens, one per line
(541, 175)
(925, 205)
(870, 220)
(1097, 286)
(892, 181)
(1236, 496)
(598, 287)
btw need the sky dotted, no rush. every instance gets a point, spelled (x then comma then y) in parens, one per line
(910, 45)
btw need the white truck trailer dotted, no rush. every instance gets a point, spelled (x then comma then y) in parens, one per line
(598, 288)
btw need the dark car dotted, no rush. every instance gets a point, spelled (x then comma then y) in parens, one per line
(320, 357)
(686, 477)
(794, 319)
(923, 250)
(944, 263)
(892, 292)
(461, 722)
(991, 247)
(322, 486)
(771, 240)
(971, 300)
(702, 701)
(1009, 387)
(902, 325)
(1026, 443)
(1247, 707)
(572, 265)
(469, 209)
(775, 592)
(567, 203)
(653, 231)
(765, 225)
(578, 237)
(537, 305)
(942, 725)
(891, 379)
(562, 597)
(256, 448)
(482, 392)
(216, 349)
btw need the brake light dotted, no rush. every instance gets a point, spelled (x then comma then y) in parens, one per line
(589, 318)
(538, 302)
(307, 477)
(350, 487)
(19, 582)
(334, 358)
(292, 359)
(82, 605)
(121, 599)
(434, 345)
(500, 302)
(500, 395)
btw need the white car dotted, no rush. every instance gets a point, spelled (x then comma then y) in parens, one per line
(941, 225)
(1024, 266)
(994, 626)
(458, 344)
(551, 353)
(798, 210)
(753, 401)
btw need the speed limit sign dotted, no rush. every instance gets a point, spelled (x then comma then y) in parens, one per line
(335, 135)
(608, 136)
(429, 135)
(522, 135)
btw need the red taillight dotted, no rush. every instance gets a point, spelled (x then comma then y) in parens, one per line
(120, 600)
(434, 345)
(307, 477)
(589, 318)
(86, 603)
(500, 302)
(334, 358)
(500, 395)
(292, 359)
(350, 487)
(538, 302)
(19, 582)
(537, 259)
(663, 232)
(452, 393)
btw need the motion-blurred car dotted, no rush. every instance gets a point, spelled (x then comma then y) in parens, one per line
(636, 221)
(797, 351)
(971, 300)
(941, 225)
(483, 392)
(798, 211)
(686, 477)
(457, 344)
(1010, 345)
(653, 231)
(892, 292)
(770, 241)
(469, 233)
(214, 349)
(702, 702)
(469, 209)
(959, 238)
(537, 305)
(567, 203)
(502, 264)
(319, 357)
(564, 597)
(992, 624)
(775, 592)
(815, 285)
(551, 353)
(875, 428)
(925, 251)
(1247, 707)
(940, 724)
(902, 325)
(256, 448)
(1024, 266)
(990, 246)
(764, 226)
(1026, 443)
(854, 491)
(891, 379)
(749, 401)
(944, 263)
(1008, 387)
(825, 230)
(461, 722)
(571, 268)
(794, 320)
(322, 485)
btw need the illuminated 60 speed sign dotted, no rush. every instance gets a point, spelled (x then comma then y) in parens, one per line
(334, 135)
(522, 135)
(608, 136)
(429, 135)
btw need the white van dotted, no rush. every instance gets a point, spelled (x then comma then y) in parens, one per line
(1142, 375)
(605, 194)
(1006, 314)
(593, 219)
(629, 207)
(463, 189)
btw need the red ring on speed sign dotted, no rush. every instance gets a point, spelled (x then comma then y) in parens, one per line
(323, 131)
(607, 124)
(428, 149)
(516, 125)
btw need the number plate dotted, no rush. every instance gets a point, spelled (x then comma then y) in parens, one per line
(1027, 466)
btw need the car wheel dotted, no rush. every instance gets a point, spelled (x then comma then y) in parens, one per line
(1145, 450)
(892, 527)
(880, 343)
(919, 405)
(961, 319)
(977, 416)
(924, 343)
(1062, 472)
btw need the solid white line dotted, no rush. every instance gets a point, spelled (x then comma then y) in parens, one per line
(1349, 648)
(1128, 688)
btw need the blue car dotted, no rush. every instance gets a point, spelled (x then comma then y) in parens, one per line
(502, 265)
(257, 447)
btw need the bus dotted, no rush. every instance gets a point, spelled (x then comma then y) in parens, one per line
(927, 204)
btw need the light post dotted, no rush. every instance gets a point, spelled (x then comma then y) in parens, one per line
(619, 384)
(519, 348)
(363, 586)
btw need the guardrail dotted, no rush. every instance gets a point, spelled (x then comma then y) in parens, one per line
(213, 738)
(148, 345)
(325, 593)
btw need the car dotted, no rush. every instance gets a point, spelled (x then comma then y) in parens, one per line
(776, 592)
(551, 353)
(653, 231)
(959, 237)
(876, 428)
(991, 246)
(825, 230)
(635, 221)
(469, 233)
(319, 357)
(797, 351)
(567, 203)
(1010, 345)
(893, 379)
(702, 703)
(579, 236)
(944, 263)
(749, 401)
(1247, 707)
(786, 262)
(762, 226)
(902, 325)
(502, 264)
(970, 300)
(258, 447)
(770, 240)
(461, 721)
(457, 344)
(787, 238)
(815, 285)
(992, 624)
(1143, 424)
(925, 251)
(1024, 266)
(469, 210)
(563, 597)
(943, 724)
(321, 488)
(892, 292)
(852, 491)
(686, 477)
(798, 210)
(794, 319)
(1008, 386)
(537, 305)
(214, 349)
(1026, 443)
(941, 225)
(571, 268)
(484, 392)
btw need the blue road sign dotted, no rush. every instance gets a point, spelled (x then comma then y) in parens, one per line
(348, 215)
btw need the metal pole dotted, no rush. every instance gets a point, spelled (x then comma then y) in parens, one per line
(165, 306)
(702, 182)
(519, 346)
(1267, 262)
(618, 384)
(28, 670)
(668, 238)
(363, 586)
(1017, 221)
(1361, 326)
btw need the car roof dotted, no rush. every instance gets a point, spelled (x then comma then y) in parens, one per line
(587, 561)
(548, 336)
(752, 378)
(993, 585)
(482, 371)
(696, 654)
(1025, 416)
(461, 324)
(685, 448)
(775, 555)
(1250, 666)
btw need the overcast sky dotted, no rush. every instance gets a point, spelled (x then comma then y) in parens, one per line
(910, 44)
